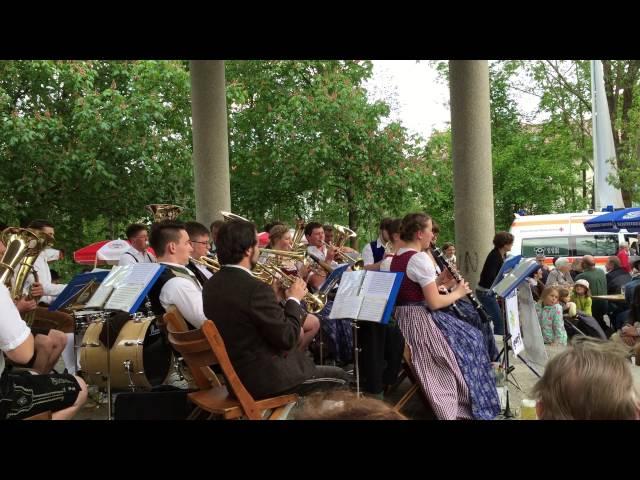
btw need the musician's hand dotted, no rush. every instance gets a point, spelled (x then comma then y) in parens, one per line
(303, 271)
(331, 253)
(462, 288)
(277, 288)
(443, 290)
(23, 305)
(629, 331)
(37, 290)
(298, 289)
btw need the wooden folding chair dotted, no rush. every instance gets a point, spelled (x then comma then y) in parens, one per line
(409, 372)
(204, 347)
(203, 376)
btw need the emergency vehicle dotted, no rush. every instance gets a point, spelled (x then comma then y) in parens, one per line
(564, 235)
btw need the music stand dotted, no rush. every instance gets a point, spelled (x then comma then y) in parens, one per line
(503, 289)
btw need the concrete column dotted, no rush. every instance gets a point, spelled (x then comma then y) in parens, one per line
(472, 165)
(210, 140)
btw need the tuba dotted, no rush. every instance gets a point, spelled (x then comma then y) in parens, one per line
(163, 211)
(342, 234)
(23, 247)
(298, 234)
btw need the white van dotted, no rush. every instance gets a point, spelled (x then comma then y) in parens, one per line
(564, 235)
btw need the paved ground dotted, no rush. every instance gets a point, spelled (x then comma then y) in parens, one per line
(414, 409)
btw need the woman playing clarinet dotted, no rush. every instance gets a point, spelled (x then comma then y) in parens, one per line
(448, 355)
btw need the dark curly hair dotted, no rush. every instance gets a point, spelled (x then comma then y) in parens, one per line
(234, 239)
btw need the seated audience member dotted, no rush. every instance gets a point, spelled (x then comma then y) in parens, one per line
(616, 276)
(590, 380)
(260, 334)
(561, 275)
(343, 405)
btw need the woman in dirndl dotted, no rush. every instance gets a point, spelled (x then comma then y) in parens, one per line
(448, 355)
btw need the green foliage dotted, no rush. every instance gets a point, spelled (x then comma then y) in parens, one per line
(88, 144)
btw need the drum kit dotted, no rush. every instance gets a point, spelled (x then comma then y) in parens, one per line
(139, 358)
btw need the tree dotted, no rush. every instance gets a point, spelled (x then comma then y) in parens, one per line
(88, 144)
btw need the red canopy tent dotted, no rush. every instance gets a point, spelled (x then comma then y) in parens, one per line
(87, 255)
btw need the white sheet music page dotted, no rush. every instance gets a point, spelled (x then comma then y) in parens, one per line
(101, 295)
(348, 300)
(376, 289)
(123, 286)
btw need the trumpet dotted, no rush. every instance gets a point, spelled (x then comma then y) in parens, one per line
(268, 273)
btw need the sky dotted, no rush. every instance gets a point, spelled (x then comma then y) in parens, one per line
(418, 98)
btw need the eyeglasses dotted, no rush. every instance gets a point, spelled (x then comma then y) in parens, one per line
(203, 243)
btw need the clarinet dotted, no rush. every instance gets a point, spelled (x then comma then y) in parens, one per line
(444, 262)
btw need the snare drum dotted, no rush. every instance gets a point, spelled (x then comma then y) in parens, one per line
(139, 357)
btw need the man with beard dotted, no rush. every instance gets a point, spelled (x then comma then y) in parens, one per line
(261, 335)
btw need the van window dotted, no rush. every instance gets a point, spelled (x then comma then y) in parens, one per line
(602, 245)
(550, 246)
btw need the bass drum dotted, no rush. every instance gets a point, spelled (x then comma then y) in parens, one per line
(140, 357)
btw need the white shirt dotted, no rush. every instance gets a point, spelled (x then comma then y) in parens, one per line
(13, 330)
(136, 256)
(367, 252)
(420, 268)
(205, 271)
(186, 295)
(51, 290)
(320, 253)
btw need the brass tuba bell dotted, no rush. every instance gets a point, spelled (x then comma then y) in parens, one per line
(164, 211)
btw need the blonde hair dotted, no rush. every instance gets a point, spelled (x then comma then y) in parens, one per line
(345, 405)
(590, 380)
(545, 293)
(276, 233)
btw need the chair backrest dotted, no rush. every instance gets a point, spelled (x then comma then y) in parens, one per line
(193, 347)
(174, 320)
(233, 381)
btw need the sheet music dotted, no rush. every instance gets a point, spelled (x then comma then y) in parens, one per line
(372, 308)
(123, 286)
(124, 297)
(100, 296)
(347, 307)
(363, 295)
(378, 285)
(142, 273)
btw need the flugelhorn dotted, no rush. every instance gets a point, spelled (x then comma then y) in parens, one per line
(209, 263)
(268, 273)
(163, 211)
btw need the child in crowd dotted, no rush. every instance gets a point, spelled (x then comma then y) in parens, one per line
(568, 307)
(582, 297)
(550, 317)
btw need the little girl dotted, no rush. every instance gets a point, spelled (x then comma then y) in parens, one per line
(568, 307)
(550, 317)
(582, 297)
